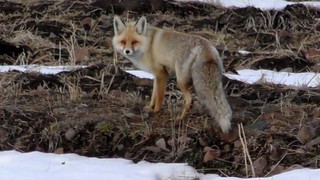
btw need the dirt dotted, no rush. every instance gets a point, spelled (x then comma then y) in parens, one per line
(98, 111)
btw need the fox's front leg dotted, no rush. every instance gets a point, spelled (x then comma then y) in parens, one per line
(161, 80)
(159, 86)
(153, 96)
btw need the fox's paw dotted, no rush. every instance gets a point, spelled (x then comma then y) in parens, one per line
(184, 112)
(181, 116)
(149, 108)
(225, 126)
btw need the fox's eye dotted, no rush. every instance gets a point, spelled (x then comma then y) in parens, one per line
(134, 42)
(123, 42)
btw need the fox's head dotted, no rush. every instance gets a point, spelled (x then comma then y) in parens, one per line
(130, 39)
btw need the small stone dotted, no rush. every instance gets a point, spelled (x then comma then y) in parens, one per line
(306, 134)
(59, 150)
(120, 147)
(260, 165)
(70, 134)
(276, 169)
(210, 154)
(260, 125)
(161, 143)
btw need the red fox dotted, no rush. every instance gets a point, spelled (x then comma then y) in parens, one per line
(192, 58)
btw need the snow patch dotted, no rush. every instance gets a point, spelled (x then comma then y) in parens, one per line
(37, 166)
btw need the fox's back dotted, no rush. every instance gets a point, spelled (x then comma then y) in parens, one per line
(169, 40)
(169, 47)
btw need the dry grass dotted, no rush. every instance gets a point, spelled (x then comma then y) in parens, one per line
(246, 154)
(104, 106)
(71, 44)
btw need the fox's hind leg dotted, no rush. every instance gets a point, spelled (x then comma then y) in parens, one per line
(184, 82)
(184, 88)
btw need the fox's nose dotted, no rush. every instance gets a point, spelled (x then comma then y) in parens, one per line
(127, 51)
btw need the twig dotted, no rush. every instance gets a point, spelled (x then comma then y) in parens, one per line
(243, 148)
(110, 83)
(102, 84)
(244, 144)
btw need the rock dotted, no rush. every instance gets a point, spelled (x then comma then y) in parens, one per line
(87, 23)
(260, 125)
(161, 143)
(69, 134)
(313, 55)
(237, 144)
(171, 142)
(275, 153)
(260, 165)
(210, 154)
(202, 142)
(128, 155)
(313, 142)
(276, 169)
(305, 134)
(120, 147)
(81, 54)
(294, 167)
(59, 150)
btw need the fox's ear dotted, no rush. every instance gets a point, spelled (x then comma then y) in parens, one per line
(118, 25)
(141, 25)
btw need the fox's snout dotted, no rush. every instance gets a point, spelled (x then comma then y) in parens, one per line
(128, 52)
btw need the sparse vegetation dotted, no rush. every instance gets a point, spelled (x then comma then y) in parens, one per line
(98, 110)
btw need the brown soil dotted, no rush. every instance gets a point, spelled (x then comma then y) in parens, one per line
(98, 111)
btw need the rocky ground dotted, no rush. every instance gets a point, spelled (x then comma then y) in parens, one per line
(98, 111)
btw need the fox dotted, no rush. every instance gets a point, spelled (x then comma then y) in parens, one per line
(192, 58)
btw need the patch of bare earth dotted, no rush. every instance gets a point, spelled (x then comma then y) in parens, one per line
(98, 111)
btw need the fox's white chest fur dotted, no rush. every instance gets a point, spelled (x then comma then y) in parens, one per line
(136, 59)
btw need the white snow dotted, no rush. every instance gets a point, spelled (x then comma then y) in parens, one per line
(39, 68)
(262, 4)
(306, 79)
(38, 166)
(140, 74)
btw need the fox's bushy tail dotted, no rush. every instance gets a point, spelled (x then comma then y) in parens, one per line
(207, 81)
